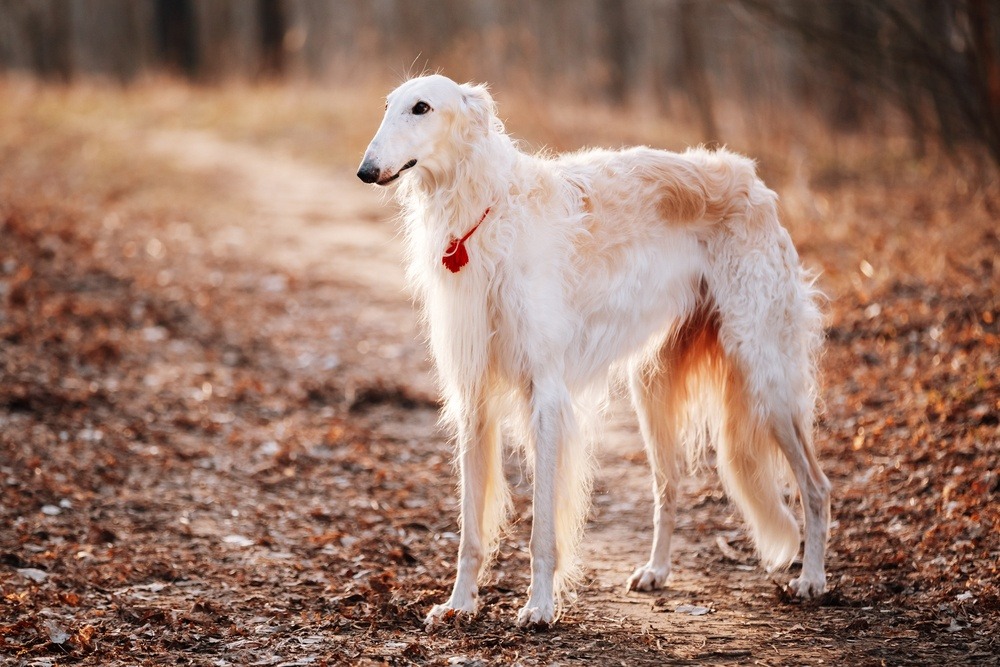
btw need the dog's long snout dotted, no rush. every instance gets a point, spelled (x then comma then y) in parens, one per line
(368, 172)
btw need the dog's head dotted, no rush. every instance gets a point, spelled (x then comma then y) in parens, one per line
(428, 122)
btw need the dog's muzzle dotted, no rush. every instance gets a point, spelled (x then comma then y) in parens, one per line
(369, 173)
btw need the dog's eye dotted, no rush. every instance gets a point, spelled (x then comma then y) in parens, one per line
(420, 108)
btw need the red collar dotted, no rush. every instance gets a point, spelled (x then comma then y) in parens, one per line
(456, 256)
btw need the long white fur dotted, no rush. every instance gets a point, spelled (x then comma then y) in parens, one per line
(672, 268)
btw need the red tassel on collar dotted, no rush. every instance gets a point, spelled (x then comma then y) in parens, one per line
(456, 256)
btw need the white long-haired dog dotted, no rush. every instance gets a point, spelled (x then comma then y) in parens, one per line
(538, 276)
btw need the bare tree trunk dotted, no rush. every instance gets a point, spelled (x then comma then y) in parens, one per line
(228, 37)
(985, 66)
(695, 77)
(849, 106)
(110, 37)
(176, 48)
(273, 24)
(616, 48)
(36, 35)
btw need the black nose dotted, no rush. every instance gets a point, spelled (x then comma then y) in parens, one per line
(369, 173)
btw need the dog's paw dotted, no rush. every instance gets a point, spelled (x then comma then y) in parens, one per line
(808, 588)
(648, 578)
(536, 615)
(442, 613)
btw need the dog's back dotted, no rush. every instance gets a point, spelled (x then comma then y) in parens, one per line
(697, 186)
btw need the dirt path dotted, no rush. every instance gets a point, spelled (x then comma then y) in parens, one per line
(298, 216)
(327, 225)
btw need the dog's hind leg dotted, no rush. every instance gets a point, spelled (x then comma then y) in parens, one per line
(485, 502)
(814, 489)
(654, 396)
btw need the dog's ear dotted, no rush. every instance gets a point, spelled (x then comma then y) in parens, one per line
(479, 107)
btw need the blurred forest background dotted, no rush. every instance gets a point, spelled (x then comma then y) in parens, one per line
(218, 432)
(934, 62)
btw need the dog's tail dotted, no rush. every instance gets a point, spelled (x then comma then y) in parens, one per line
(718, 413)
(769, 333)
(755, 475)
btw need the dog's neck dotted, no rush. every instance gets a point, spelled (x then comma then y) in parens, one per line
(456, 197)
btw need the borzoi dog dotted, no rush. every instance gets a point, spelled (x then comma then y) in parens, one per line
(541, 277)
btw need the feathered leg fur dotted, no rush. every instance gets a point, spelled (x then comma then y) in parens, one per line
(485, 504)
(560, 500)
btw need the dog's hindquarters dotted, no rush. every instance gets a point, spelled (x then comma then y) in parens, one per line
(693, 395)
(738, 370)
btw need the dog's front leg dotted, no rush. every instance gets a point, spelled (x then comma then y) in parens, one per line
(483, 497)
(550, 412)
